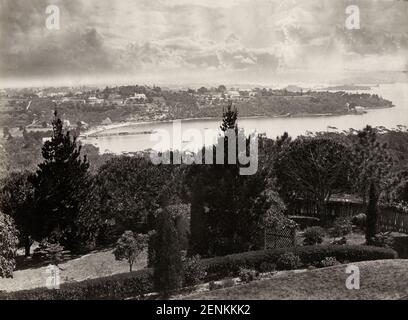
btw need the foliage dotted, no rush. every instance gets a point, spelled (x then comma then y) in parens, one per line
(305, 221)
(129, 246)
(129, 191)
(60, 186)
(49, 250)
(313, 235)
(151, 250)
(339, 241)
(23, 153)
(4, 162)
(267, 267)
(342, 226)
(248, 275)
(382, 239)
(229, 118)
(359, 220)
(16, 200)
(8, 246)
(329, 262)
(312, 168)
(194, 271)
(228, 266)
(227, 209)
(119, 286)
(168, 268)
(372, 213)
(372, 162)
(138, 283)
(288, 261)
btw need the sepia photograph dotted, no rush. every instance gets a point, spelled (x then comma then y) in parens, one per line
(184, 152)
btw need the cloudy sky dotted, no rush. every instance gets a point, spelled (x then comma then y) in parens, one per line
(202, 41)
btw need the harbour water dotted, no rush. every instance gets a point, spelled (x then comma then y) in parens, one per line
(134, 141)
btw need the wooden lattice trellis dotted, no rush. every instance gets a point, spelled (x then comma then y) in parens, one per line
(280, 237)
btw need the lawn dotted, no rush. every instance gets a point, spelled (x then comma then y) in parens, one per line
(381, 279)
(93, 265)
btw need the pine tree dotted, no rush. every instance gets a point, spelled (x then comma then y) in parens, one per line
(59, 187)
(168, 268)
(229, 118)
(372, 213)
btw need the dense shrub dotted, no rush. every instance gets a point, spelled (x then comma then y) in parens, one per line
(137, 283)
(248, 275)
(305, 221)
(339, 241)
(227, 266)
(313, 235)
(329, 262)
(267, 267)
(359, 220)
(194, 271)
(382, 239)
(168, 266)
(49, 251)
(129, 246)
(341, 227)
(119, 286)
(288, 261)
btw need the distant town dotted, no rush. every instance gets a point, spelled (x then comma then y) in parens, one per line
(82, 108)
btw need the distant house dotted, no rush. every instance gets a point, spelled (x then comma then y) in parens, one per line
(359, 109)
(352, 107)
(337, 205)
(94, 100)
(137, 98)
(233, 94)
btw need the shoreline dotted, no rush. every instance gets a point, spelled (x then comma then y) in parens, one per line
(93, 132)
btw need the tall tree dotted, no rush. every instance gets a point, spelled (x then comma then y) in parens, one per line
(313, 168)
(226, 208)
(168, 267)
(371, 162)
(129, 246)
(60, 186)
(372, 213)
(16, 200)
(129, 190)
(229, 118)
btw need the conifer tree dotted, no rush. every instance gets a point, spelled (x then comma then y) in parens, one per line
(372, 213)
(59, 188)
(229, 118)
(168, 268)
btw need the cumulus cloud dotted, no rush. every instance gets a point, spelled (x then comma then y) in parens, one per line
(262, 39)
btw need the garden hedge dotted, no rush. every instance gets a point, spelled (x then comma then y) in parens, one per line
(138, 283)
(119, 286)
(219, 267)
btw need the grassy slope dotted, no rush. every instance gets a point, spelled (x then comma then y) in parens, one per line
(381, 279)
(93, 265)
